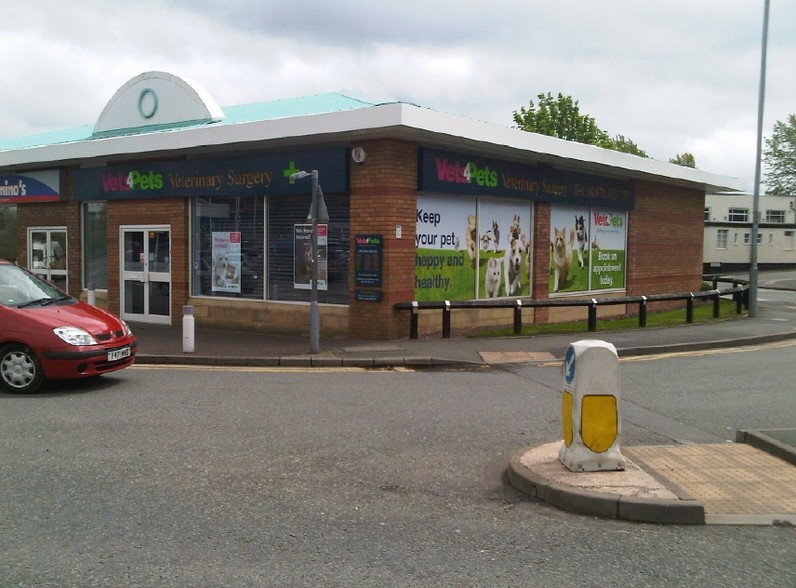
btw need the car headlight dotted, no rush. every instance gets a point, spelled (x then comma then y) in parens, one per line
(74, 336)
(127, 330)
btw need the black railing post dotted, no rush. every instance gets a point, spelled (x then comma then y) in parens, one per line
(446, 320)
(413, 322)
(593, 315)
(689, 308)
(738, 302)
(716, 304)
(642, 312)
(518, 318)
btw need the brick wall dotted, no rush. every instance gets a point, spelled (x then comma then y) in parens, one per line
(384, 195)
(665, 233)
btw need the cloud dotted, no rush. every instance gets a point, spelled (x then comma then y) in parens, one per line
(673, 77)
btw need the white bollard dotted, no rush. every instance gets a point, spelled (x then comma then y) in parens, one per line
(187, 329)
(91, 296)
(590, 408)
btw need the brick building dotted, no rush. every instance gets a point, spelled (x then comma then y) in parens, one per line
(169, 200)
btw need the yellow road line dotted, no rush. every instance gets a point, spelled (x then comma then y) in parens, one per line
(243, 368)
(704, 352)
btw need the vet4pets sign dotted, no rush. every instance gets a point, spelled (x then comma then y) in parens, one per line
(587, 249)
(475, 248)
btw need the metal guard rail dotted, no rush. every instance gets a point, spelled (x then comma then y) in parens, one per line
(739, 291)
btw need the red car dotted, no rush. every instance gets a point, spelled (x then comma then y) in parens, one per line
(47, 334)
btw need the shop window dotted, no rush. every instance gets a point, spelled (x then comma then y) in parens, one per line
(8, 232)
(227, 247)
(287, 273)
(95, 245)
(230, 258)
(47, 254)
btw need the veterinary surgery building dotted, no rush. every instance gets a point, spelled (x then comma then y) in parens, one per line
(169, 200)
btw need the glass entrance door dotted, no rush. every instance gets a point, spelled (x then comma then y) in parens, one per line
(146, 274)
(47, 254)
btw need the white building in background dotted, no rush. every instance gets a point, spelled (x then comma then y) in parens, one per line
(728, 232)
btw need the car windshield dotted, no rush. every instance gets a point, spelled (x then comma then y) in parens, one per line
(19, 288)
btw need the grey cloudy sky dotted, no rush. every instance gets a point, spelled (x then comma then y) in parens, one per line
(674, 76)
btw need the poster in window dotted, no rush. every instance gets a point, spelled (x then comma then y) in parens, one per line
(504, 246)
(445, 248)
(302, 256)
(607, 249)
(476, 248)
(226, 261)
(587, 249)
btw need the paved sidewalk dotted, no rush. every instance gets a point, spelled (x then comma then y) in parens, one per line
(164, 344)
(648, 490)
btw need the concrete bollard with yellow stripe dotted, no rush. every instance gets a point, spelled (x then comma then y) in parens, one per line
(590, 408)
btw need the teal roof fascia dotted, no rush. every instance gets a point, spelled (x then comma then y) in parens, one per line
(302, 106)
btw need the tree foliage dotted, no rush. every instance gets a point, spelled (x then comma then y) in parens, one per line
(685, 159)
(561, 117)
(780, 158)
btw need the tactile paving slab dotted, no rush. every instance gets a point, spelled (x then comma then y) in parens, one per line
(498, 357)
(727, 478)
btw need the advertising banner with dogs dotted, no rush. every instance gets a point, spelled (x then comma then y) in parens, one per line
(471, 248)
(587, 249)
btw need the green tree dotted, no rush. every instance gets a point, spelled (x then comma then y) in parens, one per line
(780, 158)
(625, 145)
(685, 159)
(561, 117)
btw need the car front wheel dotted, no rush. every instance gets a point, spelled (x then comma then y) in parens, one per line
(20, 370)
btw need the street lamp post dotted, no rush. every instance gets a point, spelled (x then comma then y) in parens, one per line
(753, 273)
(318, 213)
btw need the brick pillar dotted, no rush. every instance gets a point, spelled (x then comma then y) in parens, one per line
(383, 196)
(541, 258)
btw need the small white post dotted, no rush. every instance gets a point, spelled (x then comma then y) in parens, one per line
(187, 329)
(91, 296)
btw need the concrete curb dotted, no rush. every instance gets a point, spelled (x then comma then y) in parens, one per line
(574, 499)
(304, 361)
(762, 440)
(703, 345)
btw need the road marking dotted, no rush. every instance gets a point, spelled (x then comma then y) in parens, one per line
(703, 352)
(275, 369)
(700, 353)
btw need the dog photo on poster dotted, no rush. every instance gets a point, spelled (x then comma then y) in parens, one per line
(226, 261)
(504, 243)
(587, 249)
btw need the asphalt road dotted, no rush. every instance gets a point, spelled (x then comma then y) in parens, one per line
(166, 477)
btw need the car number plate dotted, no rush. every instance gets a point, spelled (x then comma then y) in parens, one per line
(118, 354)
